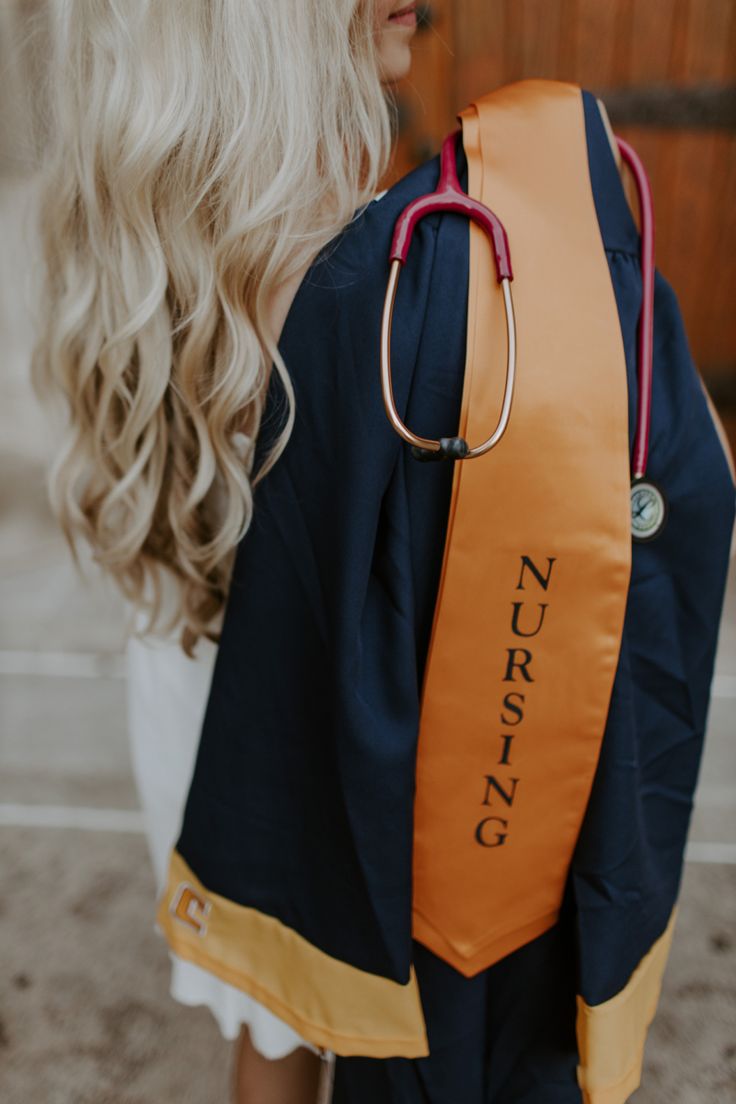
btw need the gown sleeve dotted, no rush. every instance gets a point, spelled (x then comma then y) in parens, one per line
(301, 800)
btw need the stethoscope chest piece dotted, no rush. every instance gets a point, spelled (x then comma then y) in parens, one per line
(648, 510)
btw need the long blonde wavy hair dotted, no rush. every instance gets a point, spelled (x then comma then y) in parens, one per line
(200, 154)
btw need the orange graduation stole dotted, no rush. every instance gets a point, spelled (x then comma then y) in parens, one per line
(530, 607)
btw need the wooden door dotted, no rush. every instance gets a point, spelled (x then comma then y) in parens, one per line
(666, 70)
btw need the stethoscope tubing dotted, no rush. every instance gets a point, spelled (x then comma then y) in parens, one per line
(645, 337)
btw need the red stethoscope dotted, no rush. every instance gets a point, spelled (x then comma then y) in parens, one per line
(648, 503)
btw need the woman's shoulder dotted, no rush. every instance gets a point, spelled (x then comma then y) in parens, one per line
(340, 299)
(331, 337)
(359, 254)
(335, 317)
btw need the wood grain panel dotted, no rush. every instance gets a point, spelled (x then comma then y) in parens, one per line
(709, 48)
(482, 47)
(607, 46)
(596, 33)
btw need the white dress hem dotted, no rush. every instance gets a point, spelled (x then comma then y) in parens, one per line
(166, 696)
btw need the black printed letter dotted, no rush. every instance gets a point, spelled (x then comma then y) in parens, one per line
(543, 580)
(515, 709)
(492, 784)
(515, 619)
(521, 664)
(500, 836)
(507, 737)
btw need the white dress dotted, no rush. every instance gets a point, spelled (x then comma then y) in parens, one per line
(167, 695)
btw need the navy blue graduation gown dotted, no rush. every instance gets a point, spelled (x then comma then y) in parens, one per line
(301, 801)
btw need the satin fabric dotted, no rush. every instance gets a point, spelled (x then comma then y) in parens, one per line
(537, 558)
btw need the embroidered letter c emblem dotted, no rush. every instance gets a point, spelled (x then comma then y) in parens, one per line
(190, 908)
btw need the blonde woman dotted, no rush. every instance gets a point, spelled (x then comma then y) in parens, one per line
(217, 258)
(204, 154)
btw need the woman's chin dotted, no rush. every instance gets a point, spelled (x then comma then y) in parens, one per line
(395, 60)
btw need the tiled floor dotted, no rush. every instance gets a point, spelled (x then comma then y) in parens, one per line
(85, 1016)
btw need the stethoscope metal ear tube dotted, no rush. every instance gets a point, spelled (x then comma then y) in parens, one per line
(450, 448)
(449, 196)
(648, 502)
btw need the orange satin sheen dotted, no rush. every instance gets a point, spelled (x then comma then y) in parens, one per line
(502, 782)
